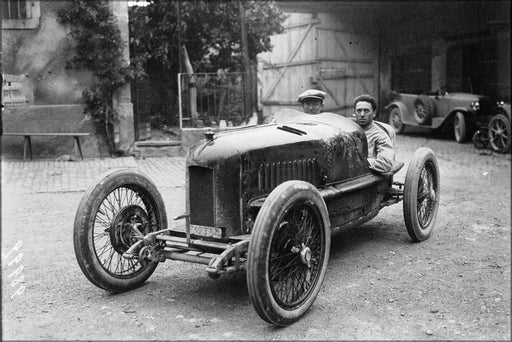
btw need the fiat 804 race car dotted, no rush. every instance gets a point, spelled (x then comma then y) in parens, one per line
(262, 199)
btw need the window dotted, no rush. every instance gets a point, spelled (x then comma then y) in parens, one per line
(14, 9)
(20, 14)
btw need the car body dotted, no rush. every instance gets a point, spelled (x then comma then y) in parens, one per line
(458, 111)
(263, 199)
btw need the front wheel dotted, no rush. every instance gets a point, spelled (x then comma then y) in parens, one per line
(113, 215)
(288, 252)
(499, 133)
(421, 194)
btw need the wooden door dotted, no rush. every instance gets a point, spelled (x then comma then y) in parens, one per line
(309, 55)
(347, 67)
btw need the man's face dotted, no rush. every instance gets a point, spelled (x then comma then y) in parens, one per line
(312, 106)
(364, 113)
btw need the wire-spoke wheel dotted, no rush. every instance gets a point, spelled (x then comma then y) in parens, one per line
(499, 133)
(421, 194)
(288, 252)
(113, 215)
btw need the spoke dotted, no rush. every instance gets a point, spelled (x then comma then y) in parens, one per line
(98, 236)
(109, 206)
(106, 248)
(102, 222)
(110, 258)
(281, 269)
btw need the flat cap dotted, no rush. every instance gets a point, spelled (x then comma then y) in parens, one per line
(312, 94)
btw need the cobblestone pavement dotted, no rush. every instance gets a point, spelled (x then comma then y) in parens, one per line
(41, 176)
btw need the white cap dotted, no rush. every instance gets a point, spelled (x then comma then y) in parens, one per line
(312, 94)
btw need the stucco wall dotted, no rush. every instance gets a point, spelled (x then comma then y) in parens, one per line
(48, 94)
(36, 58)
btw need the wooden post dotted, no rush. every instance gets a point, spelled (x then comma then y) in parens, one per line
(247, 65)
(192, 93)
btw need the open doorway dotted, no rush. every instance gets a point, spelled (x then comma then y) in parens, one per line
(156, 114)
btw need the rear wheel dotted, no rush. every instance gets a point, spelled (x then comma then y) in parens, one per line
(499, 133)
(113, 215)
(421, 194)
(288, 252)
(459, 127)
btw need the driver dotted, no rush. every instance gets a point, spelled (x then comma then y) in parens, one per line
(312, 101)
(381, 153)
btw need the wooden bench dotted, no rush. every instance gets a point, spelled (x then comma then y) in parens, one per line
(28, 142)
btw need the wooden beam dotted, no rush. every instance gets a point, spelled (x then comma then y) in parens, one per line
(346, 60)
(286, 64)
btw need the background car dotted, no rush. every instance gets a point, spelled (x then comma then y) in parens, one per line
(457, 111)
(494, 130)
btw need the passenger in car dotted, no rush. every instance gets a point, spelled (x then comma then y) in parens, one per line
(381, 153)
(312, 101)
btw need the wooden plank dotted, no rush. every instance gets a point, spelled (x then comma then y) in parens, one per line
(286, 64)
(344, 77)
(346, 60)
(312, 22)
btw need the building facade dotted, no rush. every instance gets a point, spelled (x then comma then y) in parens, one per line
(41, 94)
(344, 48)
(348, 48)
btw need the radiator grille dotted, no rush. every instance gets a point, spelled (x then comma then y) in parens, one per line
(201, 196)
(271, 175)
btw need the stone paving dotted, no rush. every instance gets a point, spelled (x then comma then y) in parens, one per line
(42, 176)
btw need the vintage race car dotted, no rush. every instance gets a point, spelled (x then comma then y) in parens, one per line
(263, 199)
(440, 110)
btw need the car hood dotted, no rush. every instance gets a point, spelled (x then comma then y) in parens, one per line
(287, 127)
(463, 96)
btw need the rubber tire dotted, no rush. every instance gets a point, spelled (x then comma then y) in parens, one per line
(395, 120)
(84, 221)
(504, 123)
(429, 107)
(460, 130)
(480, 140)
(266, 223)
(422, 157)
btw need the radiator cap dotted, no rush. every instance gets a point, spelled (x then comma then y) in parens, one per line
(209, 135)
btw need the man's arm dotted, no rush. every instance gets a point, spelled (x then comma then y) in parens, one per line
(385, 154)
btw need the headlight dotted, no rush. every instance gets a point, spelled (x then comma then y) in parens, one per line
(500, 103)
(475, 105)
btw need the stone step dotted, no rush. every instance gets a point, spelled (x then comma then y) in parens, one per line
(158, 148)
